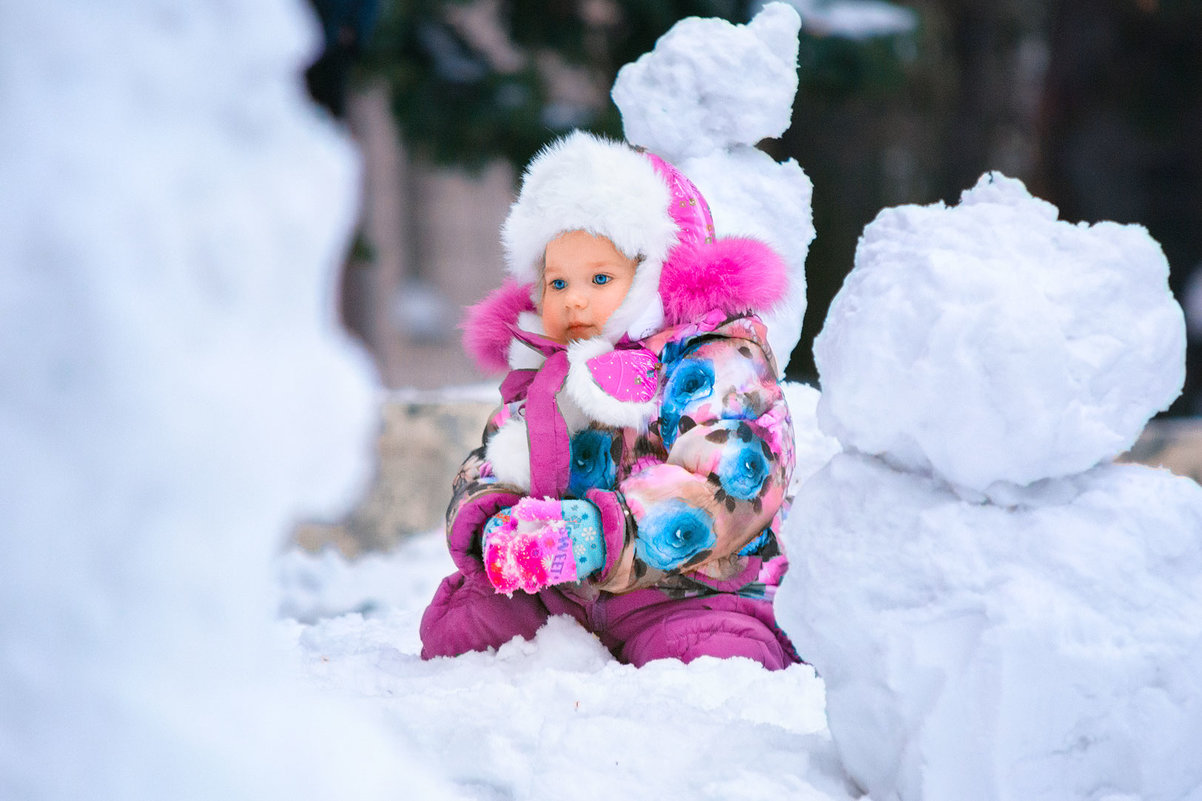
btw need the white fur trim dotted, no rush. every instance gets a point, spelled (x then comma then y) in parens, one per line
(641, 312)
(573, 416)
(508, 451)
(595, 402)
(522, 356)
(589, 183)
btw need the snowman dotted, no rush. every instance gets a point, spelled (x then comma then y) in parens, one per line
(1000, 611)
(702, 99)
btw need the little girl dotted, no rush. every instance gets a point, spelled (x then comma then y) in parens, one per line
(636, 476)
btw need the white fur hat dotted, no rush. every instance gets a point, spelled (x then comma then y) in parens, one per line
(607, 188)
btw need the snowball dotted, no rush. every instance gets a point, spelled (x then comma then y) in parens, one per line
(1050, 651)
(710, 84)
(991, 342)
(177, 394)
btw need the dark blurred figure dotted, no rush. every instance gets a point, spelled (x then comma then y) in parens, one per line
(1122, 130)
(346, 24)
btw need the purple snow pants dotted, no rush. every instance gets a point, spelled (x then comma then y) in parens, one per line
(466, 614)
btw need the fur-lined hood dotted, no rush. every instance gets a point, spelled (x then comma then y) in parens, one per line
(652, 213)
(733, 275)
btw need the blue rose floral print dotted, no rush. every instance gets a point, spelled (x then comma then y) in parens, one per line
(701, 488)
(674, 533)
(742, 471)
(710, 503)
(744, 464)
(691, 382)
(592, 464)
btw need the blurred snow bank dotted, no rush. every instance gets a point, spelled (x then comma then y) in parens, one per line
(176, 394)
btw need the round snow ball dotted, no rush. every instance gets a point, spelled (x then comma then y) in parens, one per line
(709, 85)
(992, 342)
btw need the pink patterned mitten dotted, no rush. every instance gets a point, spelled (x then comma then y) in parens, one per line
(528, 547)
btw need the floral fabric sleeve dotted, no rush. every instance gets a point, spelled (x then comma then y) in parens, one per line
(728, 440)
(476, 495)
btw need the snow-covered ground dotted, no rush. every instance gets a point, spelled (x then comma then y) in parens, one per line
(557, 717)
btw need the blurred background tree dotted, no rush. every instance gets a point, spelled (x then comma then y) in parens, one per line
(1095, 104)
(473, 80)
(1120, 133)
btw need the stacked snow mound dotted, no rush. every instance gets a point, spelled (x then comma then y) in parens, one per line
(1041, 640)
(811, 446)
(175, 397)
(992, 342)
(702, 99)
(1050, 651)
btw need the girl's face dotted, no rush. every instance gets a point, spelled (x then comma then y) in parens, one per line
(586, 278)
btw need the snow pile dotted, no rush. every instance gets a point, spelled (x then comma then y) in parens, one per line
(1043, 641)
(992, 342)
(176, 395)
(555, 718)
(812, 448)
(702, 99)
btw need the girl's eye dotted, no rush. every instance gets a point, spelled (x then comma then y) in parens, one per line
(600, 279)
(558, 283)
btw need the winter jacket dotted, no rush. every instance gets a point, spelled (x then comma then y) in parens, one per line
(682, 440)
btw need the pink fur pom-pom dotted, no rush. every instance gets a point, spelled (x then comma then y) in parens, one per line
(485, 324)
(732, 274)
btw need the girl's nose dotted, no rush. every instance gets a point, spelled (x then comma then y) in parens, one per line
(577, 300)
